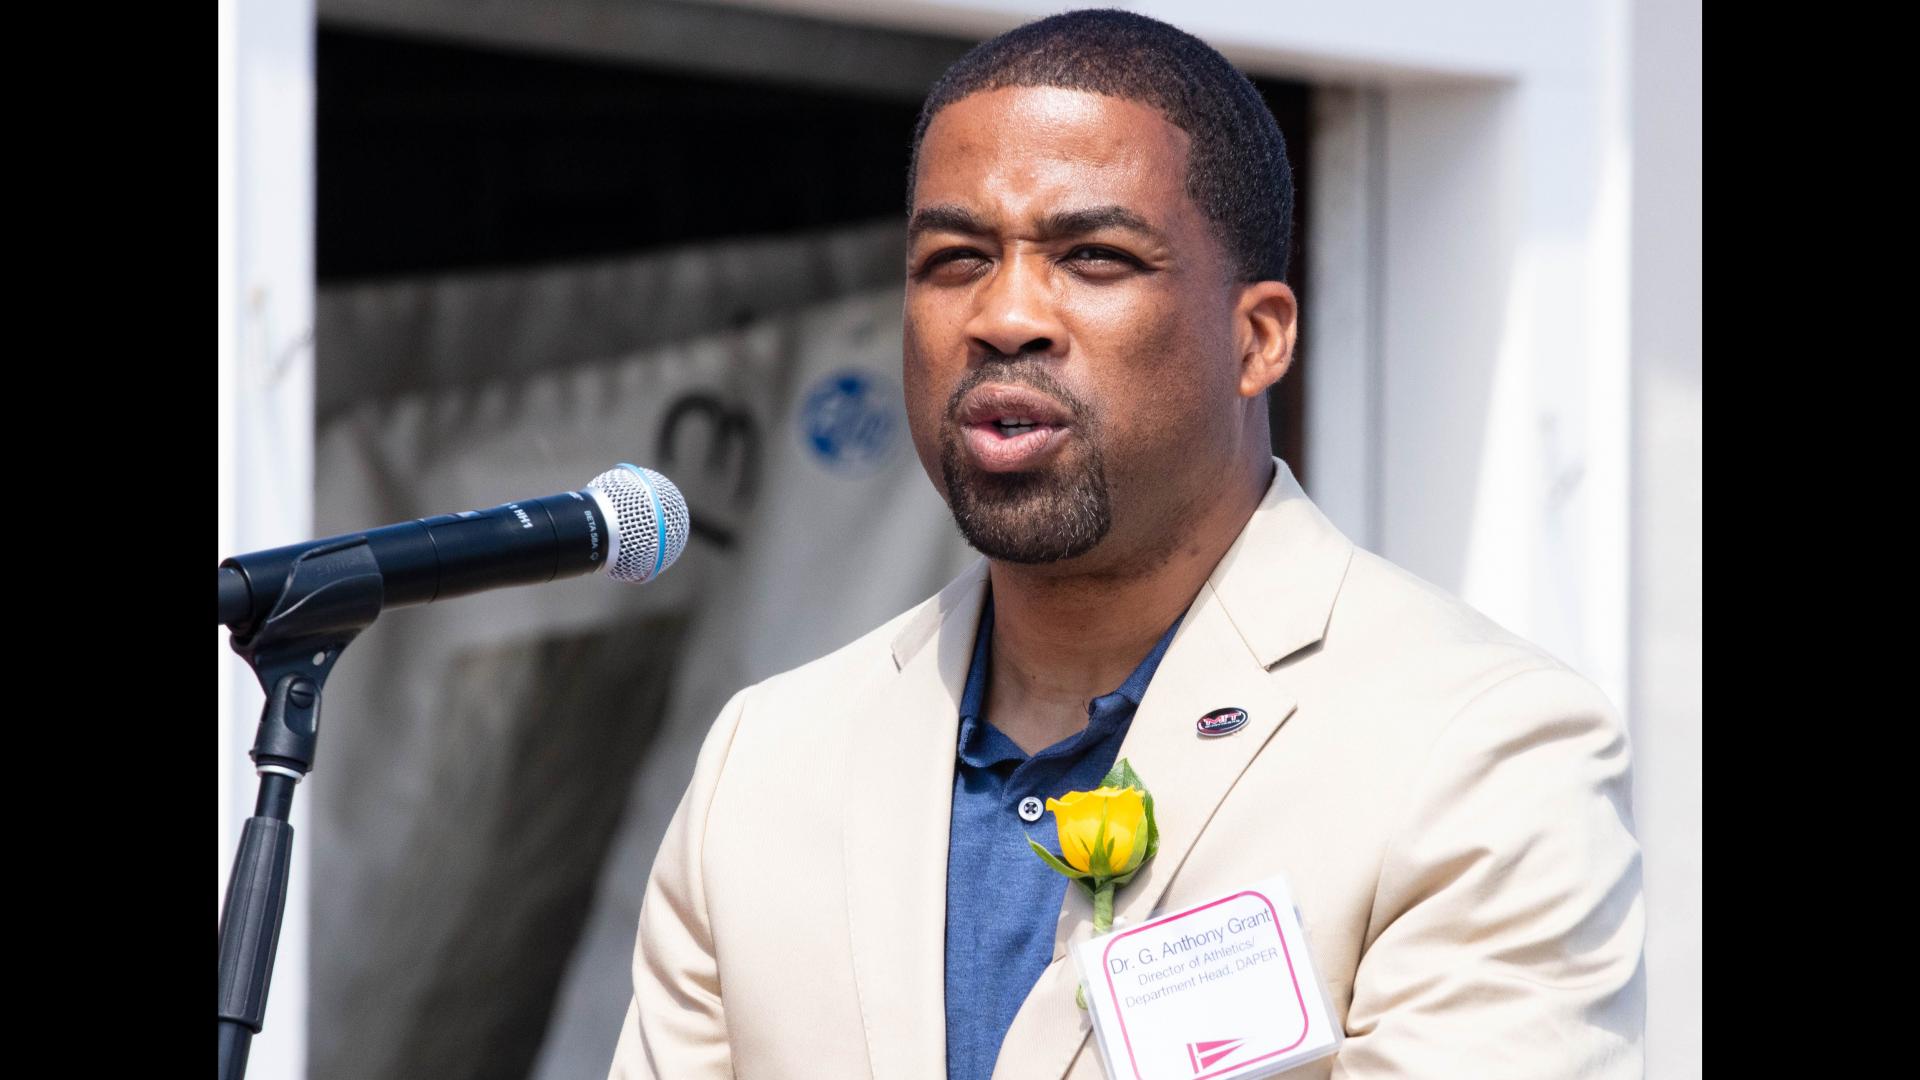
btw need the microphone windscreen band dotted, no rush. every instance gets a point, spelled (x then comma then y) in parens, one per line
(648, 517)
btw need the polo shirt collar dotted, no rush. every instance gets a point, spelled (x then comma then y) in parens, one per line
(981, 745)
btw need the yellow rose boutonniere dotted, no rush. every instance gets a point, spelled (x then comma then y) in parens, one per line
(1106, 835)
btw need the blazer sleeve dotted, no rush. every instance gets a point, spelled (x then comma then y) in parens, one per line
(676, 1025)
(1508, 925)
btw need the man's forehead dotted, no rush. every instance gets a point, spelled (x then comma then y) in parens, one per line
(1018, 124)
(1019, 108)
(1046, 153)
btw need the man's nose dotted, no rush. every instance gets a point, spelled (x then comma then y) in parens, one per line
(1016, 309)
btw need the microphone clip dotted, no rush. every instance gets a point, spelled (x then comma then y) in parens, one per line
(331, 594)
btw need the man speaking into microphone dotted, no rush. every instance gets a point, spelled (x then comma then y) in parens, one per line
(1099, 221)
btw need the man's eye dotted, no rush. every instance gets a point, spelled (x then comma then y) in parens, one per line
(954, 259)
(1093, 254)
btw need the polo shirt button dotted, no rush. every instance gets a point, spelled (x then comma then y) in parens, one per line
(1030, 809)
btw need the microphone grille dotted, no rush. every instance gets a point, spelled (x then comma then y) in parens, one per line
(650, 521)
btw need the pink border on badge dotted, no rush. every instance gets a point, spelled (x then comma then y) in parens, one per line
(1120, 1015)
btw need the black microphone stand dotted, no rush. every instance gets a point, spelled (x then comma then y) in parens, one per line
(332, 593)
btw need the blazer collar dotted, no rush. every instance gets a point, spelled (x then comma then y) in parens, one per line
(1269, 597)
(1278, 581)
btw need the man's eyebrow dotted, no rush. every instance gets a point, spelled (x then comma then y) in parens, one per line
(1060, 223)
(945, 218)
(1093, 219)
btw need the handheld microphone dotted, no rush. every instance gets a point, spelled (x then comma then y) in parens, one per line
(629, 522)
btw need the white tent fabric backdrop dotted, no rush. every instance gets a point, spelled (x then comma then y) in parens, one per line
(499, 769)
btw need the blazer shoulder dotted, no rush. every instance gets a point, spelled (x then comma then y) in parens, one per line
(1402, 658)
(1397, 615)
(834, 679)
(804, 714)
(865, 655)
(880, 653)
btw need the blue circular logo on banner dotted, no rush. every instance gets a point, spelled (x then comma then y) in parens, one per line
(851, 420)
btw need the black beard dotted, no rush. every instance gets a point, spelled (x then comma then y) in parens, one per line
(1029, 517)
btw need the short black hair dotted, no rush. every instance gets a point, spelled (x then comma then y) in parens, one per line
(1237, 171)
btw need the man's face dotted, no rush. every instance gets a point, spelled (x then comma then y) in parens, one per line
(1070, 373)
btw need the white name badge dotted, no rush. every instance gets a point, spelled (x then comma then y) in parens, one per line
(1220, 991)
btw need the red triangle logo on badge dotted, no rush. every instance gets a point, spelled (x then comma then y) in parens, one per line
(1204, 1054)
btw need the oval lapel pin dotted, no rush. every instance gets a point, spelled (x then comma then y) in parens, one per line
(1221, 722)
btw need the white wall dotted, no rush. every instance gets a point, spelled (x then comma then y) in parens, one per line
(1667, 697)
(265, 412)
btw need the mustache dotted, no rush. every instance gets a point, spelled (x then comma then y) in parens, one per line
(1033, 376)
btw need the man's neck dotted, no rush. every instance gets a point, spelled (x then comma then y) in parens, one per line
(1060, 640)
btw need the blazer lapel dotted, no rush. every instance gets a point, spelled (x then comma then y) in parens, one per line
(896, 814)
(1187, 772)
(1270, 596)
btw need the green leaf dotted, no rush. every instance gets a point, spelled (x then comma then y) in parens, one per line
(1153, 829)
(1100, 859)
(1051, 860)
(1123, 776)
(1139, 853)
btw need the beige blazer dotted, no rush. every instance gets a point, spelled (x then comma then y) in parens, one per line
(1449, 803)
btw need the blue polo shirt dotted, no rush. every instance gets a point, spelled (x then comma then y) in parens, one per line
(1003, 903)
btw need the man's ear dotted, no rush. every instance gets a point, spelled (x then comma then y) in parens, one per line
(1267, 321)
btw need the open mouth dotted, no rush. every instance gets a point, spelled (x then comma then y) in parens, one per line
(1012, 428)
